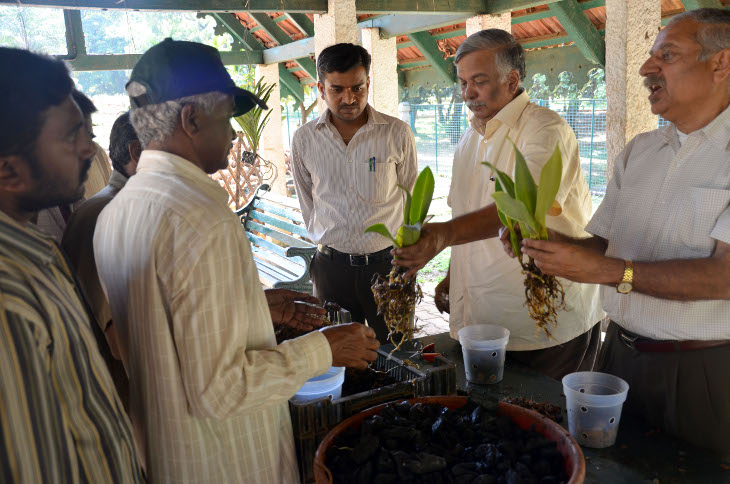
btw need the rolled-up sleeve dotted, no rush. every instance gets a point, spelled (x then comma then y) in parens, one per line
(302, 178)
(408, 168)
(600, 223)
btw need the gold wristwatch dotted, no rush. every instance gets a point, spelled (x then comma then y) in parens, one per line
(626, 284)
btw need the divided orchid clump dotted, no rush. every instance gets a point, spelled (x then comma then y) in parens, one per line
(523, 202)
(397, 297)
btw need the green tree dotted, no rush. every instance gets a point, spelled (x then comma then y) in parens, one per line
(595, 88)
(539, 89)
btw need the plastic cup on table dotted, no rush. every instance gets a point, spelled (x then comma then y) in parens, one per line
(484, 347)
(594, 402)
(326, 385)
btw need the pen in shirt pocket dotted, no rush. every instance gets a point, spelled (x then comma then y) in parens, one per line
(371, 164)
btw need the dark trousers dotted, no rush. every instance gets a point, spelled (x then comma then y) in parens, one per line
(578, 354)
(686, 393)
(349, 286)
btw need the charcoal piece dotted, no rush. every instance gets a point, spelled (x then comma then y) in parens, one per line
(386, 478)
(464, 468)
(424, 463)
(364, 474)
(432, 444)
(365, 449)
(485, 479)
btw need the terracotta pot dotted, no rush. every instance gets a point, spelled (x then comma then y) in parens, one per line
(575, 466)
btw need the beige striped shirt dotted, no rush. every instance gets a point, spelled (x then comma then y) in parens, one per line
(208, 384)
(668, 201)
(342, 191)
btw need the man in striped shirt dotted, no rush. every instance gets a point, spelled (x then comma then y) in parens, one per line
(60, 418)
(208, 383)
(347, 167)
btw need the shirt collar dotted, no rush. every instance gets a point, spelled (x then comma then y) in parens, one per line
(118, 180)
(508, 115)
(153, 161)
(717, 132)
(26, 239)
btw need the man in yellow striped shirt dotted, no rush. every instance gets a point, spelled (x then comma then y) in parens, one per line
(60, 418)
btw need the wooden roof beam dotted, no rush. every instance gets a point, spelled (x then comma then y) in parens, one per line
(425, 7)
(282, 38)
(695, 4)
(429, 49)
(581, 30)
(308, 6)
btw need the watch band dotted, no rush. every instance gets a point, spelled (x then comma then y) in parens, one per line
(628, 272)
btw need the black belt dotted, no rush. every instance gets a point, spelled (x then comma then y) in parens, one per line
(648, 345)
(355, 260)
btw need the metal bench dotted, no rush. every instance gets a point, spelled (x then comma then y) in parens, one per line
(279, 243)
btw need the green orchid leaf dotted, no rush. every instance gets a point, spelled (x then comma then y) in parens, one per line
(550, 177)
(525, 187)
(498, 188)
(508, 186)
(516, 210)
(407, 205)
(408, 235)
(382, 230)
(422, 195)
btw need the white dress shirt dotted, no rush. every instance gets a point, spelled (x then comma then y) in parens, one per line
(208, 383)
(668, 201)
(342, 191)
(487, 285)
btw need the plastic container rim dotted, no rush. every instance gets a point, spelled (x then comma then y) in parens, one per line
(591, 400)
(489, 344)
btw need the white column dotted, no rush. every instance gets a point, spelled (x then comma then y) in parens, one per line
(271, 147)
(336, 26)
(383, 95)
(630, 32)
(482, 22)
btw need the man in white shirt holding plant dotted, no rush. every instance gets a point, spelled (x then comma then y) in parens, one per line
(484, 285)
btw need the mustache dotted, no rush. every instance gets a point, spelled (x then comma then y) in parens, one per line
(475, 104)
(347, 106)
(654, 80)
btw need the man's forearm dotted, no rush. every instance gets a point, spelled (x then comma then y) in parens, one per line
(683, 280)
(478, 225)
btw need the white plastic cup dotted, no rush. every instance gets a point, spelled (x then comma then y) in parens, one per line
(484, 347)
(326, 385)
(594, 402)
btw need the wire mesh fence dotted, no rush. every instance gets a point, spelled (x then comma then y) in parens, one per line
(438, 127)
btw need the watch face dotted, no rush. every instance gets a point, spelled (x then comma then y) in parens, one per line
(624, 287)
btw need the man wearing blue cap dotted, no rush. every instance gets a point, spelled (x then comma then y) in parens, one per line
(208, 384)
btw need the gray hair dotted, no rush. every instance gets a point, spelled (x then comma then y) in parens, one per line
(510, 55)
(156, 122)
(714, 33)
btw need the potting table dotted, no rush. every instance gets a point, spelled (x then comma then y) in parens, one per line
(640, 454)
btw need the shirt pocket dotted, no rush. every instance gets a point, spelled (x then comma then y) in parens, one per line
(376, 181)
(696, 216)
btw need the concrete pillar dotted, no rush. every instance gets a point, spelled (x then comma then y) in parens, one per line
(383, 94)
(271, 148)
(338, 25)
(482, 22)
(630, 32)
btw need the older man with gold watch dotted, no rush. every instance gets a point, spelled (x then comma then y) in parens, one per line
(661, 240)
